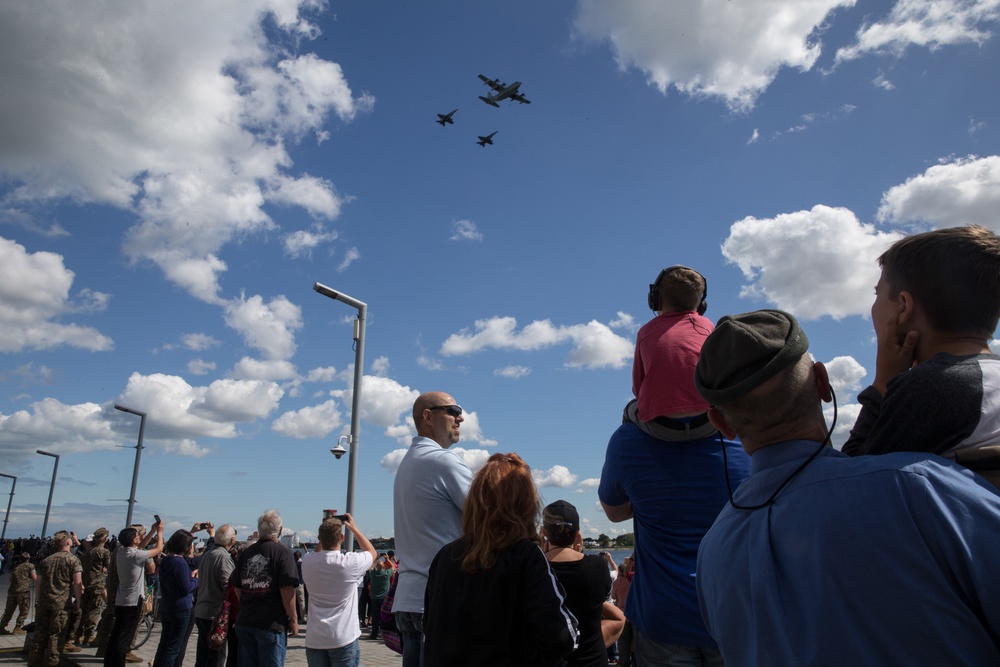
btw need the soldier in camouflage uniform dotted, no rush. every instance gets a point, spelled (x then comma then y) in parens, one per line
(59, 577)
(95, 565)
(19, 594)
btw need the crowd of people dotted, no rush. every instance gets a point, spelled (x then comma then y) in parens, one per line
(757, 543)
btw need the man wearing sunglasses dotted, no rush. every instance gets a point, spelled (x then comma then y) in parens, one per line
(428, 494)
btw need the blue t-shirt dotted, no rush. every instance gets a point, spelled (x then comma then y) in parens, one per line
(676, 490)
(871, 560)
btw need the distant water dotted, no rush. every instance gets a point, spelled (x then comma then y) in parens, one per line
(617, 554)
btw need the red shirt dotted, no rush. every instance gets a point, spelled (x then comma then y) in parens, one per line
(666, 353)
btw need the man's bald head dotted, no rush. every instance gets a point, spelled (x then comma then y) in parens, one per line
(434, 418)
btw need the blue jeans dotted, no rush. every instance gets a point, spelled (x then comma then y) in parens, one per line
(173, 628)
(411, 632)
(649, 653)
(345, 656)
(260, 648)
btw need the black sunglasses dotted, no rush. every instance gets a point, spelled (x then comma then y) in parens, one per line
(453, 410)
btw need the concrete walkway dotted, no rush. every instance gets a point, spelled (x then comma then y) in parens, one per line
(373, 653)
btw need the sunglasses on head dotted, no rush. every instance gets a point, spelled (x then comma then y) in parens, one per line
(453, 410)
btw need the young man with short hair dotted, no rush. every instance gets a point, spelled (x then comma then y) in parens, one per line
(937, 383)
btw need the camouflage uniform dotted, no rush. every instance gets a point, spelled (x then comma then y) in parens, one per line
(55, 579)
(95, 563)
(18, 596)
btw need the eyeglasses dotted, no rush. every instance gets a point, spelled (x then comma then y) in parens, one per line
(453, 410)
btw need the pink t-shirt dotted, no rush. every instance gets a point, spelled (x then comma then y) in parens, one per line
(666, 353)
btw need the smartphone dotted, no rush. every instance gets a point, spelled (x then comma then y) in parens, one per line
(202, 526)
(340, 517)
(156, 519)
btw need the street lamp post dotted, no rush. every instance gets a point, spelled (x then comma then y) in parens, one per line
(52, 486)
(10, 500)
(359, 355)
(138, 454)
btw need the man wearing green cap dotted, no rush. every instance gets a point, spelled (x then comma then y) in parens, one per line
(823, 559)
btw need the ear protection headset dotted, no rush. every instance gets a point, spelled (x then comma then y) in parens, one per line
(653, 298)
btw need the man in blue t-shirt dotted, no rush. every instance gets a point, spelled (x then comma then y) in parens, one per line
(667, 472)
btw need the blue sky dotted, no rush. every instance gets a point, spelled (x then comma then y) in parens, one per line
(175, 177)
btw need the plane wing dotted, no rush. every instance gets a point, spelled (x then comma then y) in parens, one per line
(520, 98)
(493, 83)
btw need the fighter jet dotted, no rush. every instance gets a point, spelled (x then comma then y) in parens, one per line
(488, 139)
(445, 118)
(503, 92)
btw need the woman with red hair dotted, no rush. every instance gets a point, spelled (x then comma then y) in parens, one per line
(491, 598)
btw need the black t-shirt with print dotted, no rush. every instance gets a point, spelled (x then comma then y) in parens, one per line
(260, 573)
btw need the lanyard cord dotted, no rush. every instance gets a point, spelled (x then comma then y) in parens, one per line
(729, 486)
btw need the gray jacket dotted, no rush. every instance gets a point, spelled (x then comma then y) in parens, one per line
(213, 578)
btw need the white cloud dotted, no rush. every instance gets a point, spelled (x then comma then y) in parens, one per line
(200, 366)
(34, 293)
(881, 81)
(350, 256)
(847, 414)
(713, 48)
(177, 414)
(624, 321)
(384, 401)
(101, 106)
(754, 137)
(391, 460)
(465, 230)
(557, 476)
(257, 369)
(199, 341)
(269, 327)
(429, 363)
(513, 372)
(316, 421)
(964, 191)
(380, 366)
(588, 485)
(179, 410)
(810, 263)
(845, 377)
(302, 242)
(57, 427)
(321, 374)
(925, 23)
(594, 345)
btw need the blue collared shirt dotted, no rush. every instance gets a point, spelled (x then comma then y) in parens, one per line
(878, 560)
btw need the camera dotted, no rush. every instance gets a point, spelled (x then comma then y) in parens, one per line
(338, 451)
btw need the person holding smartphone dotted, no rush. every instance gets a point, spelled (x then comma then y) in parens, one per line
(332, 578)
(130, 562)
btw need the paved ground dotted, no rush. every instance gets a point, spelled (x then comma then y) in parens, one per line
(373, 653)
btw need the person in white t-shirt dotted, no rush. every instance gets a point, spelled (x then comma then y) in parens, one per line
(332, 579)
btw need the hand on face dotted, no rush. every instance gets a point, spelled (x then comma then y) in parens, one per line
(896, 352)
